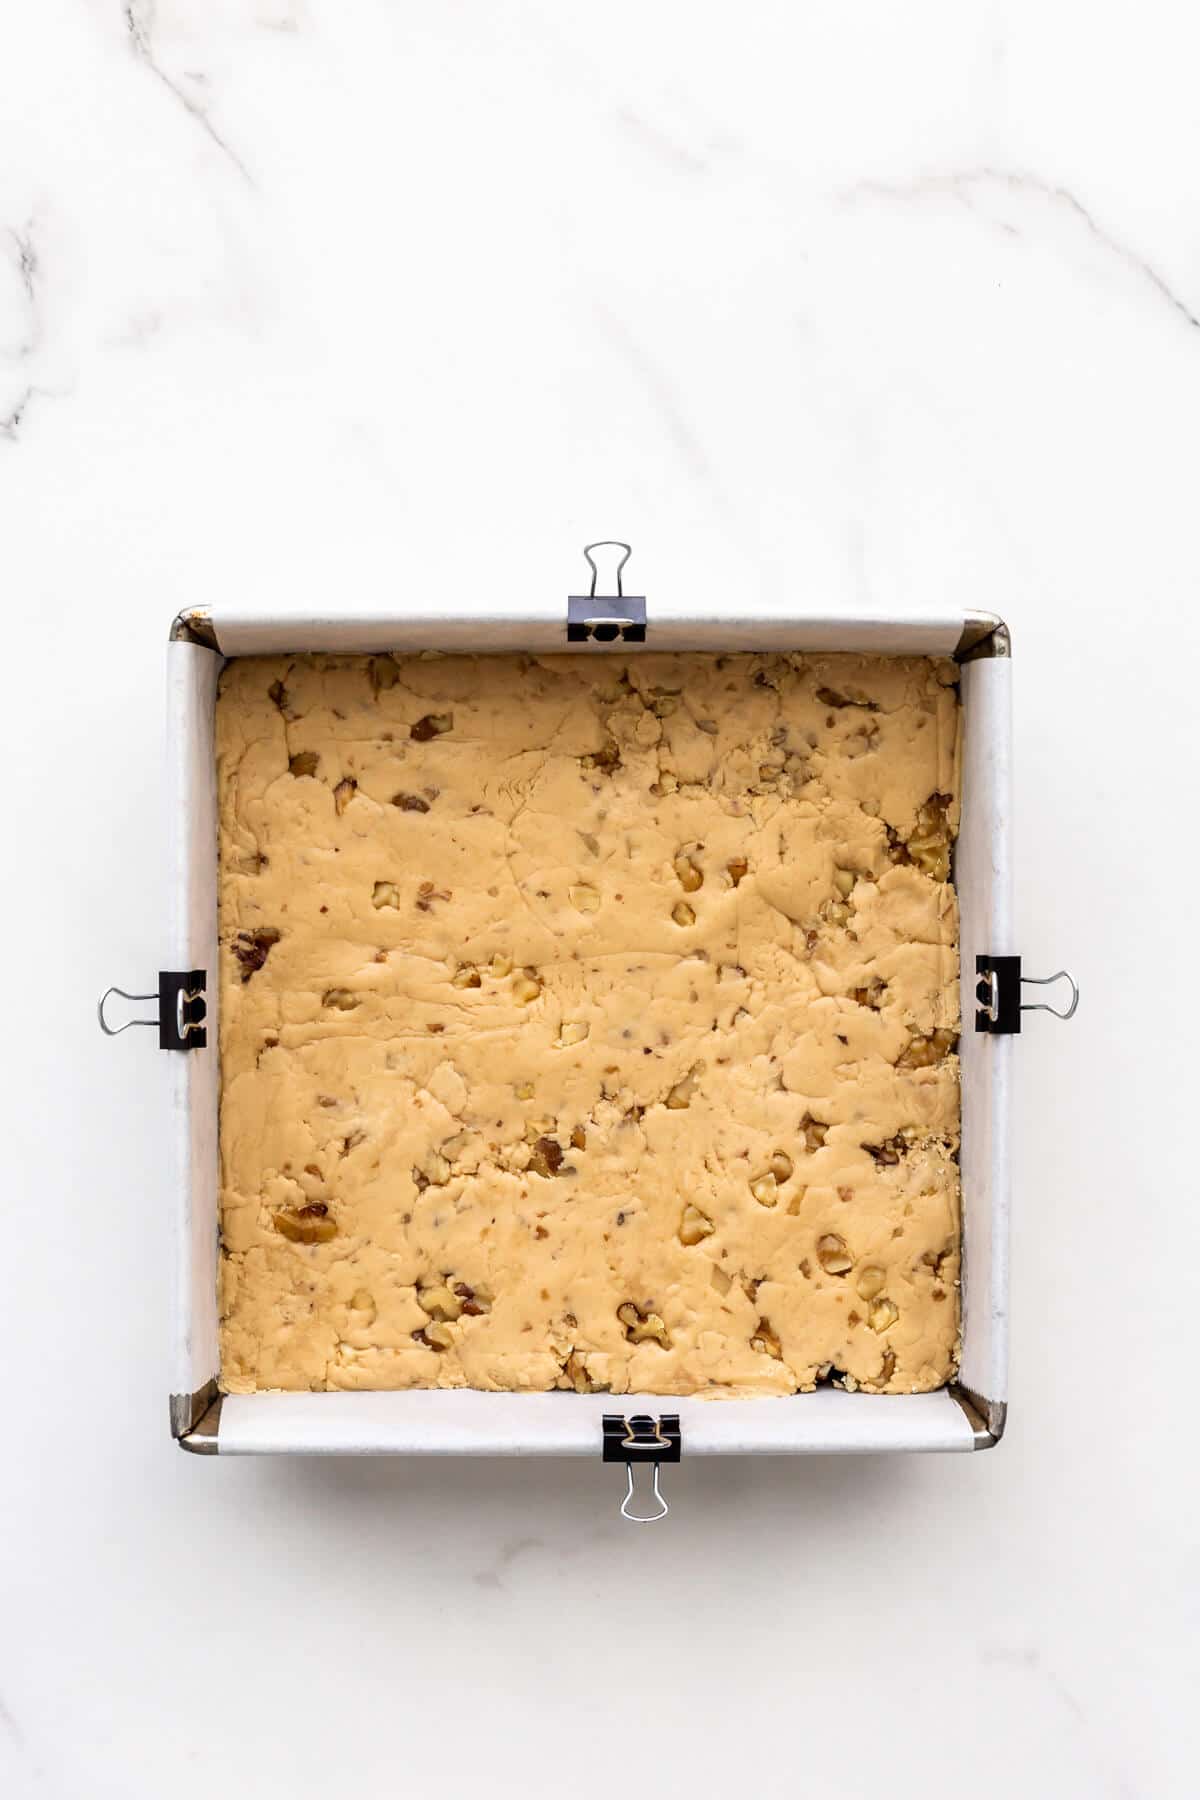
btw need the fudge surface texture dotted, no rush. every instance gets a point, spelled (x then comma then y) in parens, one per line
(588, 1022)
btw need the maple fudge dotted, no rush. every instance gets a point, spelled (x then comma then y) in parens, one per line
(589, 1022)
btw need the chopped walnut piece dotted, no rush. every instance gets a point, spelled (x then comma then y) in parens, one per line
(303, 763)
(253, 863)
(573, 1032)
(837, 913)
(385, 893)
(435, 1337)
(689, 874)
(843, 881)
(765, 1189)
(607, 760)
(883, 1315)
(897, 848)
(583, 898)
(872, 994)
(851, 697)
(501, 964)
(466, 977)
(526, 987)
(832, 1254)
(682, 913)
(765, 1340)
(737, 869)
(575, 1374)
(524, 1090)
(253, 947)
(341, 999)
(923, 1051)
(344, 793)
(410, 803)
(887, 1369)
(578, 1138)
(438, 1300)
(870, 1281)
(695, 1226)
(431, 726)
(643, 1327)
(384, 673)
(547, 1157)
(427, 894)
(476, 1301)
(720, 1280)
(814, 1133)
(305, 1224)
(681, 1094)
(781, 1166)
(929, 845)
(892, 1149)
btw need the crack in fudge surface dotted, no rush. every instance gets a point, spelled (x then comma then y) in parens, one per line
(588, 1022)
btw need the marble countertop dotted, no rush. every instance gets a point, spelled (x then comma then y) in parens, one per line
(872, 308)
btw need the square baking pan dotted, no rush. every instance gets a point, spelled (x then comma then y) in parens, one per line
(968, 1414)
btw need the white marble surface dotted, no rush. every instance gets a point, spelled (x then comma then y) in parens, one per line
(858, 304)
